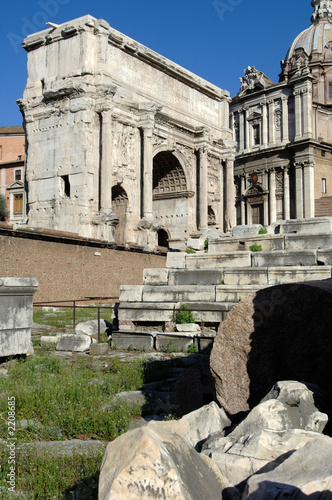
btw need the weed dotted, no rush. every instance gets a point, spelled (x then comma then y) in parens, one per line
(256, 248)
(262, 230)
(192, 349)
(184, 315)
(190, 250)
(169, 347)
(206, 245)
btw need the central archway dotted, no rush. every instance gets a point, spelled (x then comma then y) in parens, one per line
(170, 195)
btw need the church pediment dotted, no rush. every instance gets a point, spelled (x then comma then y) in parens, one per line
(253, 80)
(255, 190)
(15, 185)
(254, 116)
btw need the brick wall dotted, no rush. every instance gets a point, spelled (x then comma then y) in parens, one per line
(69, 267)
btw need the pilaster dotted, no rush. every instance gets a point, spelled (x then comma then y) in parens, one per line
(273, 199)
(299, 189)
(285, 128)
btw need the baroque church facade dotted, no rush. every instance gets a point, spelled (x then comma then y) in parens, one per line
(283, 131)
(124, 145)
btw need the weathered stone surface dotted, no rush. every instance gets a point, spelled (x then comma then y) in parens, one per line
(283, 422)
(16, 296)
(218, 261)
(284, 258)
(134, 340)
(246, 276)
(131, 293)
(279, 333)
(195, 276)
(76, 343)
(161, 462)
(149, 311)
(267, 242)
(235, 293)
(305, 474)
(188, 327)
(179, 293)
(91, 327)
(155, 277)
(308, 241)
(176, 260)
(290, 274)
(174, 341)
(246, 231)
(47, 340)
(307, 226)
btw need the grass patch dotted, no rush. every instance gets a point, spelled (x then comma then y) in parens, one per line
(62, 400)
(64, 316)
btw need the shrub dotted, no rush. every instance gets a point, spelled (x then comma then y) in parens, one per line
(256, 248)
(184, 315)
(263, 230)
(3, 208)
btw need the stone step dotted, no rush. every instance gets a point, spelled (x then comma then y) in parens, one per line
(159, 312)
(180, 293)
(317, 225)
(275, 275)
(308, 241)
(231, 293)
(284, 258)
(195, 277)
(267, 242)
(218, 261)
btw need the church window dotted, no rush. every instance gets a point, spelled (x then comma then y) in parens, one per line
(324, 186)
(256, 131)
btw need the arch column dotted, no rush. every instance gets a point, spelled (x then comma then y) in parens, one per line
(230, 195)
(148, 173)
(106, 162)
(203, 186)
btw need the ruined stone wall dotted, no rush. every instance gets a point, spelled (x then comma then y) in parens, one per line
(68, 267)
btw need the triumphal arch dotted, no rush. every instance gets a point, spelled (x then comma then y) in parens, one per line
(122, 144)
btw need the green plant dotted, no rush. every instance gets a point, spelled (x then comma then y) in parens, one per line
(256, 248)
(190, 250)
(192, 349)
(184, 315)
(3, 208)
(263, 230)
(206, 245)
(169, 347)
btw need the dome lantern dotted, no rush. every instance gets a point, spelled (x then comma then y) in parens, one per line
(323, 10)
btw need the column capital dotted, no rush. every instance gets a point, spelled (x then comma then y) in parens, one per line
(285, 98)
(270, 101)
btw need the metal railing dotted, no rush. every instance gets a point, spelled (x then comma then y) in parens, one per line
(73, 303)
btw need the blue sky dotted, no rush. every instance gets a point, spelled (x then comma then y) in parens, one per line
(216, 39)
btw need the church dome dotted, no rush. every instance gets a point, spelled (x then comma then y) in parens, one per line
(312, 44)
(312, 39)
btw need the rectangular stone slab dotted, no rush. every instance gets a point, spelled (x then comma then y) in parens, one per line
(155, 312)
(170, 341)
(281, 275)
(316, 225)
(307, 242)
(246, 276)
(155, 277)
(267, 242)
(195, 277)
(233, 293)
(179, 293)
(131, 293)
(218, 261)
(284, 258)
(138, 341)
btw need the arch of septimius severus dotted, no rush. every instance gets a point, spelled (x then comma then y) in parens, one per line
(122, 143)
